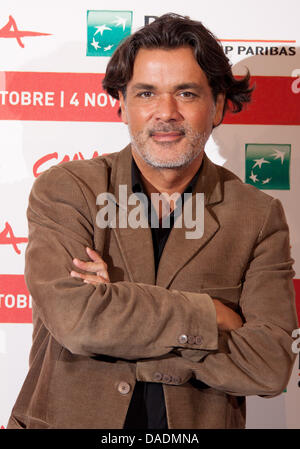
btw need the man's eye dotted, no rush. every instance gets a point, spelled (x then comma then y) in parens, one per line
(187, 94)
(146, 94)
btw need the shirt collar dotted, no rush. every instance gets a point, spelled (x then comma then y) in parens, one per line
(137, 185)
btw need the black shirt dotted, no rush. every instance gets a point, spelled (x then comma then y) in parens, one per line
(147, 408)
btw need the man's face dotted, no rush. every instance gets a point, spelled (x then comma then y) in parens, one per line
(169, 107)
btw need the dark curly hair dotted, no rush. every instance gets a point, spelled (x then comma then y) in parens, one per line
(173, 31)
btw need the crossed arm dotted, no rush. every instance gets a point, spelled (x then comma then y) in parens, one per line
(96, 273)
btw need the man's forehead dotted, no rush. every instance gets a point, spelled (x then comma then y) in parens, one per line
(164, 53)
(166, 66)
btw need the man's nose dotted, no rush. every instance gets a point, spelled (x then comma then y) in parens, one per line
(167, 108)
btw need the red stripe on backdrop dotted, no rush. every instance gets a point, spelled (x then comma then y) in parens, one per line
(80, 97)
(15, 301)
(55, 97)
(297, 290)
(275, 101)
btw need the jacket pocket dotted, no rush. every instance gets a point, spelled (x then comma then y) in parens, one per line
(230, 296)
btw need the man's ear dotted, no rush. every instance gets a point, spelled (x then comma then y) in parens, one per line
(219, 110)
(123, 107)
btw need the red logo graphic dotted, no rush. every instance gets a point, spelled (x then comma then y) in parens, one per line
(51, 156)
(10, 30)
(7, 237)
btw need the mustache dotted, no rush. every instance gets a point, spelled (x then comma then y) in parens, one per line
(166, 129)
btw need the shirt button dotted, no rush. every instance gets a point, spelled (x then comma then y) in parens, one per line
(191, 339)
(199, 340)
(123, 388)
(183, 339)
(158, 376)
(166, 378)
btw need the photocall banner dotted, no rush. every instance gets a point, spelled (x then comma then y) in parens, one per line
(53, 109)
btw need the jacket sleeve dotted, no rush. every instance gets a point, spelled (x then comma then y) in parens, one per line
(122, 319)
(257, 358)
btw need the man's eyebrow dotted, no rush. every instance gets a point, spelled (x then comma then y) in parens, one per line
(183, 86)
(143, 86)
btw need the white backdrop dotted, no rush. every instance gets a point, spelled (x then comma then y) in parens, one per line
(42, 129)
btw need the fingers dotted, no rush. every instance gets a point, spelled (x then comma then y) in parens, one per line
(92, 267)
(97, 266)
(89, 278)
(94, 255)
(227, 319)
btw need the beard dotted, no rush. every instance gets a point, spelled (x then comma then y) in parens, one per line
(194, 145)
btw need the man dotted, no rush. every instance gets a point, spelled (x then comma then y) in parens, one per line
(139, 327)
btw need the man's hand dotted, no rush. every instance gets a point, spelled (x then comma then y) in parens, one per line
(227, 319)
(97, 266)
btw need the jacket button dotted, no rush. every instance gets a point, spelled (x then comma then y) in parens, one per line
(177, 380)
(199, 340)
(191, 339)
(123, 388)
(183, 339)
(158, 376)
(166, 378)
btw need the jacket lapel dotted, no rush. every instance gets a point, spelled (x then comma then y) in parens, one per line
(135, 244)
(179, 249)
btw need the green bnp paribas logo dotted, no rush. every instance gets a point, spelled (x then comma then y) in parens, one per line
(105, 30)
(268, 166)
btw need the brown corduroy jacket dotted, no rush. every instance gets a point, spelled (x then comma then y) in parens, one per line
(91, 344)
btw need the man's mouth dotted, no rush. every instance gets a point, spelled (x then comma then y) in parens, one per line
(171, 136)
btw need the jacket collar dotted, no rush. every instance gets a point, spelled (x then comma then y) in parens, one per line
(136, 244)
(208, 181)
